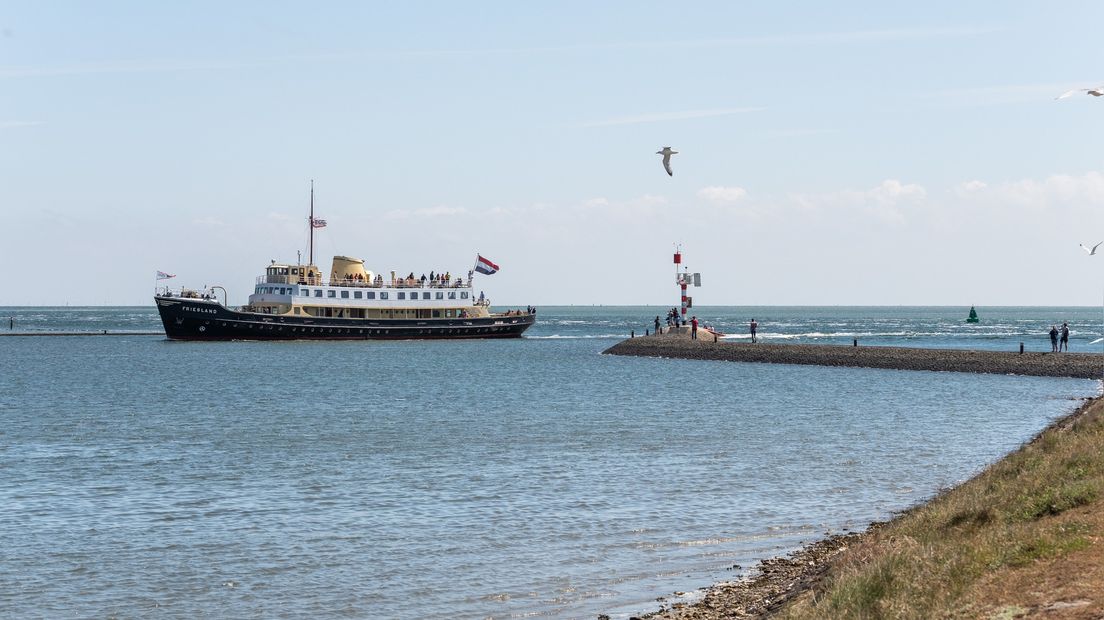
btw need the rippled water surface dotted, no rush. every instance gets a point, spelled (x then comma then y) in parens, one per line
(474, 479)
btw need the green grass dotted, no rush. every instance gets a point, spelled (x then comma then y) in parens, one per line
(1056, 500)
(1013, 515)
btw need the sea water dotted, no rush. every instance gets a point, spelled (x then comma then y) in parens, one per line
(471, 479)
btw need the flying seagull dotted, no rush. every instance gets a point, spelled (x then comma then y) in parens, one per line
(667, 153)
(1095, 92)
(1093, 250)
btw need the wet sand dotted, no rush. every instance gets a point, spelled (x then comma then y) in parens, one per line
(680, 346)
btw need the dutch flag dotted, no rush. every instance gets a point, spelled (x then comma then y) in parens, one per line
(484, 266)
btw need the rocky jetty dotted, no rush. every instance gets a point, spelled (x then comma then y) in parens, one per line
(680, 346)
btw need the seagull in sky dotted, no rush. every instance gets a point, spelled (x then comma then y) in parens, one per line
(667, 153)
(1093, 250)
(1095, 92)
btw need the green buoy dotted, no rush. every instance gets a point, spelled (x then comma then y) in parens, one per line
(973, 318)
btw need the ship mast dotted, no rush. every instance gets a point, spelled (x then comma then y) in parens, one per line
(310, 225)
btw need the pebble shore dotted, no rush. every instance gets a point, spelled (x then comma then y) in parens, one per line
(773, 583)
(680, 346)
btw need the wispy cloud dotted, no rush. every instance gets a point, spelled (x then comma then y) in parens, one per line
(885, 201)
(152, 66)
(425, 212)
(1084, 191)
(1000, 94)
(719, 194)
(661, 117)
(801, 133)
(209, 222)
(11, 124)
(439, 211)
(969, 187)
(783, 39)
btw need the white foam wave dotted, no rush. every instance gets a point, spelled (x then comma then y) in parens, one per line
(577, 337)
(857, 334)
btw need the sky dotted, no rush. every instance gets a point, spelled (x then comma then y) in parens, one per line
(868, 153)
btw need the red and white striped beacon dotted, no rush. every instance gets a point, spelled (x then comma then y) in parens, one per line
(683, 280)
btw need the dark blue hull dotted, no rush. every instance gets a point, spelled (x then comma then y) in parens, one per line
(201, 320)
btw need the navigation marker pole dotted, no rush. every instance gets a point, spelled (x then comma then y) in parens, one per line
(681, 281)
(684, 280)
(310, 224)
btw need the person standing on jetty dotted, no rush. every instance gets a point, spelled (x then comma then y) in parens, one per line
(694, 327)
(1053, 339)
(657, 324)
(754, 329)
(1064, 344)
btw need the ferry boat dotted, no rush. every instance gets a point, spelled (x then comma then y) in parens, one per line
(294, 302)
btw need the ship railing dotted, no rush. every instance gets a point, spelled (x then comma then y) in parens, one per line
(285, 280)
(187, 293)
(403, 283)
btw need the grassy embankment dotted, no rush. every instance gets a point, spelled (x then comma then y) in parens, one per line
(1024, 537)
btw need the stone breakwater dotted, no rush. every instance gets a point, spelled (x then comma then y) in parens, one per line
(1077, 365)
